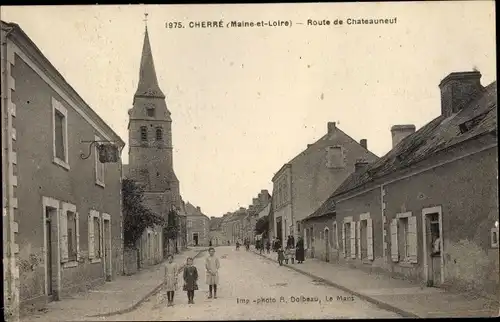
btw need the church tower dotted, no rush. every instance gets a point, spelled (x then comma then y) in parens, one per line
(150, 136)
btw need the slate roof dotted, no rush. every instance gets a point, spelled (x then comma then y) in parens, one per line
(477, 118)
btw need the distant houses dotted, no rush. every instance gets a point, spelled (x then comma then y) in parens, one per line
(428, 209)
(198, 226)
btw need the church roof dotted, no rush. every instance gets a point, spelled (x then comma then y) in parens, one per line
(148, 82)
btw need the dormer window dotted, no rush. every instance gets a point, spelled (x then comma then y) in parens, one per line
(159, 134)
(144, 133)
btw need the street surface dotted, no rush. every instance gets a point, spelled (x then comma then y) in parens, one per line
(254, 288)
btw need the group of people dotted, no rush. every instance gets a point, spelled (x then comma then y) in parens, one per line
(190, 277)
(293, 251)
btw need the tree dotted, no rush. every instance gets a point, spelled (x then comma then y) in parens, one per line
(262, 226)
(171, 232)
(136, 216)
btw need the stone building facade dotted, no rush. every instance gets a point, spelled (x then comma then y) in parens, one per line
(306, 181)
(198, 226)
(216, 236)
(232, 225)
(151, 158)
(62, 206)
(428, 210)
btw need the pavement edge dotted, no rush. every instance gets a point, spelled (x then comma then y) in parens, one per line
(381, 304)
(150, 293)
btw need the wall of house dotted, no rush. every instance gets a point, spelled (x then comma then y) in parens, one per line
(316, 247)
(368, 202)
(467, 192)
(200, 226)
(217, 237)
(312, 181)
(38, 176)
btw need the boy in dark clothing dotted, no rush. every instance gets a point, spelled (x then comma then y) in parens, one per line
(268, 247)
(281, 256)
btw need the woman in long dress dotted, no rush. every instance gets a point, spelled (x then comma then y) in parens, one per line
(299, 251)
(212, 266)
(171, 273)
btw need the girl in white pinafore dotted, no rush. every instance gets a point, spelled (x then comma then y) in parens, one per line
(171, 273)
(212, 266)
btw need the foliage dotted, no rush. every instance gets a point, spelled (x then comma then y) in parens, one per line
(262, 226)
(173, 224)
(136, 216)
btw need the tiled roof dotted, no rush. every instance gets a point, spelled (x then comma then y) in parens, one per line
(328, 207)
(477, 118)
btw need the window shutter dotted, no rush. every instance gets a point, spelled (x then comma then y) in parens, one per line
(63, 231)
(394, 240)
(353, 239)
(101, 237)
(343, 240)
(91, 235)
(77, 233)
(358, 237)
(412, 238)
(369, 238)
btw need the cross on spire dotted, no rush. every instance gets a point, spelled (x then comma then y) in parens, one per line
(146, 19)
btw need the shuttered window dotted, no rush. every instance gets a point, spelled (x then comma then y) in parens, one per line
(97, 237)
(69, 233)
(72, 252)
(358, 239)
(344, 244)
(144, 133)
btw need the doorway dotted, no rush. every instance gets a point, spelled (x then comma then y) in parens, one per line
(279, 229)
(433, 267)
(195, 239)
(327, 244)
(51, 243)
(107, 249)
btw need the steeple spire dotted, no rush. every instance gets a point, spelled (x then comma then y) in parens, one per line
(148, 82)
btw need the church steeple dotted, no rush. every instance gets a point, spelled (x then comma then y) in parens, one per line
(148, 82)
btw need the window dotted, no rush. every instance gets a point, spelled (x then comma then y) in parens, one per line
(335, 157)
(99, 166)
(59, 134)
(298, 227)
(494, 237)
(189, 223)
(404, 238)
(285, 190)
(72, 253)
(97, 238)
(150, 111)
(144, 133)
(159, 134)
(69, 235)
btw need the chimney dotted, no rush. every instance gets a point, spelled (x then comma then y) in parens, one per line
(255, 201)
(331, 127)
(459, 89)
(309, 145)
(198, 208)
(360, 165)
(399, 132)
(363, 143)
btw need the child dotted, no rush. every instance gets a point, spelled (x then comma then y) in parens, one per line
(291, 254)
(212, 265)
(171, 272)
(281, 256)
(190, 280)
(287, 255)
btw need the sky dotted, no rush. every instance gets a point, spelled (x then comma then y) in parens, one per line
(246, 101)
